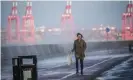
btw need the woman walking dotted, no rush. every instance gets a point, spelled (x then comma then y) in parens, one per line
(79, 48)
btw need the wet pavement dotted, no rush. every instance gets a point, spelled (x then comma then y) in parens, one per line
(52, 71)
(123, 71)
(57, 68)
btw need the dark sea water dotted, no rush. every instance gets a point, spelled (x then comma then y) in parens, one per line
(123, 71)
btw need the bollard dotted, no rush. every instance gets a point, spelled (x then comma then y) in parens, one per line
(28, 71)
(16, 69)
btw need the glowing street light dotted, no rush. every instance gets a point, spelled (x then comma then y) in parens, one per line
(112, 28)
(67, 15)
(94, 29)
(42, 30)
(56, 29)
(127, 27)
(101, 28)
(49, 30)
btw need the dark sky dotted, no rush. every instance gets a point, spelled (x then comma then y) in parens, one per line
(86, 13)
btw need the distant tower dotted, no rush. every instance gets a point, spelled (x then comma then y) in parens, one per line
(127, 22)
(28, 34)
(13, 31)
(67, 22)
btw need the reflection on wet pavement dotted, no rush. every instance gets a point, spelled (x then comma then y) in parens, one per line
(123, 71)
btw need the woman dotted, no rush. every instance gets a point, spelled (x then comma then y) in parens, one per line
(79, 48)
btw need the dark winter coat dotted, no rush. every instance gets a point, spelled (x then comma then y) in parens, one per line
(79, 48)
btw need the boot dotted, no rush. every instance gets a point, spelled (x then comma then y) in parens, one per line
(81, 72)
(77, 71)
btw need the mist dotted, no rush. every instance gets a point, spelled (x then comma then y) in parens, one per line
(52, 47)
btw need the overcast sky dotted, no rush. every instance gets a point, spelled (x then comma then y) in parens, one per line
(85, 13)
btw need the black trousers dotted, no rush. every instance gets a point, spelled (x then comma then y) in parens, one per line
(81, 65)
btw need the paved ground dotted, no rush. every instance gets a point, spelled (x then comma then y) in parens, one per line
(64, 71)
(123, 71)
(92, 68)
(57, 68)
